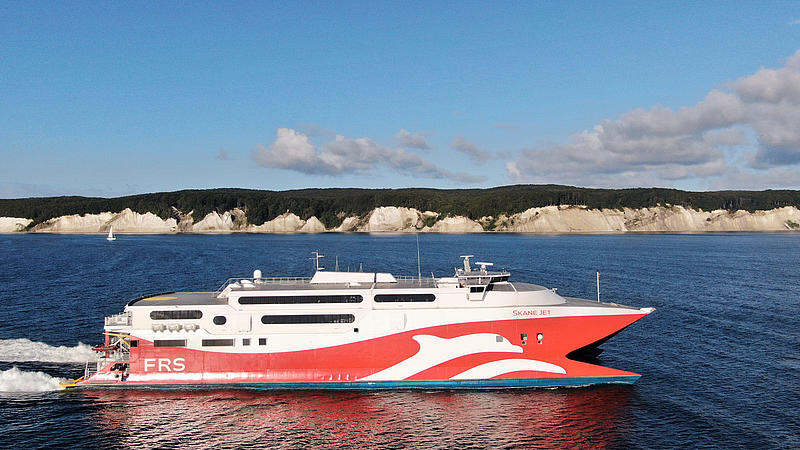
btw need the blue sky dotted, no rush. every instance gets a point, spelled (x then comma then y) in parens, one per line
(112, 99)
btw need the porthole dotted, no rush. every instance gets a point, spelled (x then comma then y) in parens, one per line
(220, 320)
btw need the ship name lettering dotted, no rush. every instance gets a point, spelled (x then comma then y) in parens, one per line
(530, 312)
(164, 364)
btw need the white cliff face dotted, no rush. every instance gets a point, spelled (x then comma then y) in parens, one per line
(349, 224)
(549, 219)
(312, 225)
(566, 219)
(214, 222)
(13, 224)
(126, 221)
(392, 218)
(87, 223)
(285, 223)
(457, 224)
(132, 222)
(562, 219)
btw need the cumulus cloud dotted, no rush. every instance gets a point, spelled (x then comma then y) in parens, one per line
(661, 145)
(470, 149)
(412, 140)
(295, 151)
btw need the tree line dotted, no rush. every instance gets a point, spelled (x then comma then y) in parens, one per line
(331, 206)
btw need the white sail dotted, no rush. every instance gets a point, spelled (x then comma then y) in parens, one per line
(110, 234)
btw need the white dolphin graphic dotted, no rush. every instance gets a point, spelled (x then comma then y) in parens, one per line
(435, 350)
(503, 366)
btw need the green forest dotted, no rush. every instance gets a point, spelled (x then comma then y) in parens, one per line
(331, 206)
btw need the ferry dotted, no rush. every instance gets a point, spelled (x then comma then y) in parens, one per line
(361, 330)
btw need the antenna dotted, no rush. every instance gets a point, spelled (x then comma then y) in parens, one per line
(316, 259)
(466, 262)
(483, 266)
(419, 263)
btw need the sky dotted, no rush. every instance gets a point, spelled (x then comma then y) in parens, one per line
(119, 98)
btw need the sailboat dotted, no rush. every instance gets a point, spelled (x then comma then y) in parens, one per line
(110, 234)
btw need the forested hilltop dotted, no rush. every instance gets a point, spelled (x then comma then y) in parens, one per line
(331, 206)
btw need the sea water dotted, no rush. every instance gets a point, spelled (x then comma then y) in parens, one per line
(719, 358)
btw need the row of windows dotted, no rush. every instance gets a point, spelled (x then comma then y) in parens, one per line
(317, 318)
(307, 318)
(308, 299)
(474, 289)
(169, 343)
(206, 342)
(276, 319)
(179, 314)
(217, 342)
(299, 299)
(284, 300)
(385, 298)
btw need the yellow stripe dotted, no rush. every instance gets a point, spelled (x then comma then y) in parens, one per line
(155, 299)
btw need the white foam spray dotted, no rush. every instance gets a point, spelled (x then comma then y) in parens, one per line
(15, 380)
(17, 350)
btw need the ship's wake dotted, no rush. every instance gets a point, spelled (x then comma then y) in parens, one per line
(20, 350)
(15, 380)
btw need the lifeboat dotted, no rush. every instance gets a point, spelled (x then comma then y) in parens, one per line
(104, 348)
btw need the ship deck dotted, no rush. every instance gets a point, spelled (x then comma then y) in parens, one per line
(212, 298)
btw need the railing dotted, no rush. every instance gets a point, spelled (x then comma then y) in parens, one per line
(92, 367)
(413, 278)
(260, 281)
(121, 319)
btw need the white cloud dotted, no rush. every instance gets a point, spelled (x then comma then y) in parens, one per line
(725, 136)
(294, 151)
(661, 146)
(412, 140)
(794, 22)
(470, 149)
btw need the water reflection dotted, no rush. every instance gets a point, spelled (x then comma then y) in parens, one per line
(590, 417)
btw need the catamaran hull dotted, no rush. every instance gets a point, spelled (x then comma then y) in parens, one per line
(476, 355)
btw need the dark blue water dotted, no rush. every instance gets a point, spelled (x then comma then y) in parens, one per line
(719, 358)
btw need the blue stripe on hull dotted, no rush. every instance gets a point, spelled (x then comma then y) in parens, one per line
(387, 385)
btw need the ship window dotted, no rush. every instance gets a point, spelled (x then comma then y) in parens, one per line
(476, 288)
(262, 341)
(220, 320)
(296, 299)
(134, 344)
(383, 298)
(217, 342)
(181, 314)
(246, 341)
(308, 318)
(169, 343)
(496, 279)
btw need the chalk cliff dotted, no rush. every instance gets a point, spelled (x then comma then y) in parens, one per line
(126, 221)
(13, 224)
(548, 219)
(391, 218)
(578, 219)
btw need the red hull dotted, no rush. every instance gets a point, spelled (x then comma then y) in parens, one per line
(394, 358)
